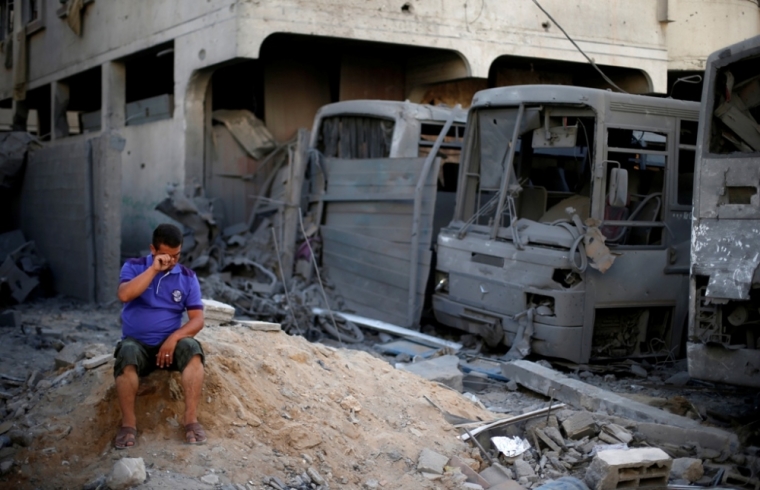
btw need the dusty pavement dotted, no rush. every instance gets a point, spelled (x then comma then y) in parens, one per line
(277, 406)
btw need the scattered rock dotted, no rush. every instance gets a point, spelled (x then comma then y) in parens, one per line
(97, 483)
(350, 403)
(10, 318)
(511, 385)
(211, 479)
(496, 474)
(690, 469)
(69, 355)
(126, 473)
(579, 425)
(371, 484)
(678, 379)
(96, 361)
(523, 469)
(6, 466)
(638, 371)
(444, 369)
(431, 462)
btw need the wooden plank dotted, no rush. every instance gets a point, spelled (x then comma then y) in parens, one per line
(394, 208)
(345, 165)
(397, 235)
(365, 243)
(346, 281)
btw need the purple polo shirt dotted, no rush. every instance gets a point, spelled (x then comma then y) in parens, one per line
(157, 312)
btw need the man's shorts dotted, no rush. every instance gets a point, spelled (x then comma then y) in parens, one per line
(130, 351)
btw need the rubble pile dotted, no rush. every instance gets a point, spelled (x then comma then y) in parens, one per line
(283, 413)
(22, 270)
(244, 268)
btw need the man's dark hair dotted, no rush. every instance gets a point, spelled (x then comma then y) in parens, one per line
(168, 235)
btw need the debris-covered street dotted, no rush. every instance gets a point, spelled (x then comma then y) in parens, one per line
(286, 413)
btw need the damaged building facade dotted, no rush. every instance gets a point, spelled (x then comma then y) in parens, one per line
(126, 96)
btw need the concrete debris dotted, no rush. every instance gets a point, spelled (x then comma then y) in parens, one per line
(679, 379)
(689, 469)
(22, 269)
(216, 312)
(430, 461)
(97, 361)
(582, 395)
(14, 153)
(69, 355)
(10, 318)
(127, 473)
(444, 369)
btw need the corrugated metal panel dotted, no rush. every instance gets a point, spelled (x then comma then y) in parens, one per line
(367, 234)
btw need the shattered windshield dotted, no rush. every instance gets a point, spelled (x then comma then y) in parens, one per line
(735, 125)
(552, 164)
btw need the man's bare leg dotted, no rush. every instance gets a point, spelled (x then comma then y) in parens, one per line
(192, 382)
(126, 390)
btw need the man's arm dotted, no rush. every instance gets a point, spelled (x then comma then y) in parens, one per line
(189, 329)
(135, 287)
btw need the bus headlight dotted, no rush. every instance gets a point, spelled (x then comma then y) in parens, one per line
(441, 282)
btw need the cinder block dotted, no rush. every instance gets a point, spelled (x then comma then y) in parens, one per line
(632, 468)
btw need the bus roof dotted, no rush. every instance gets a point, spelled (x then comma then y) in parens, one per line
(595, 98)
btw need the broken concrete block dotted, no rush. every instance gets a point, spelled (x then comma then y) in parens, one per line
(579, 425)
(581, 395)
(18, 281)
(523, 469)
(127, 473)
(216, 312)
(690, 469)
(554, 434)
(496, 474)
(96, 361)
(541, 435)
(472, 486)
(430, 461)
(472, 476)
(678, 379)
(618, 433)
(34, 378)
(444, 369)
(639, 467)
(10, 318)
(69, 355)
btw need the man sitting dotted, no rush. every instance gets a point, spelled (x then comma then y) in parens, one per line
(156, 290)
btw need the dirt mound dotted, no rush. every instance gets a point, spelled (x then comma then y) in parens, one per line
(272, 405)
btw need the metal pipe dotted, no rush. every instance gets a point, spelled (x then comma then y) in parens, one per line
(507, 166)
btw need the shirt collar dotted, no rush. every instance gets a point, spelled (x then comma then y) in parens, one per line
(175, 269)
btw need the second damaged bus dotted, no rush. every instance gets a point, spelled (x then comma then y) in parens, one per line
(570, 236)
(724, 328)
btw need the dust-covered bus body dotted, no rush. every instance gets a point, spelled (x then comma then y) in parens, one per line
(570, 236)
(724, 327)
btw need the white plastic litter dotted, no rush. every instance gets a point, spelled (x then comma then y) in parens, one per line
(511, 446)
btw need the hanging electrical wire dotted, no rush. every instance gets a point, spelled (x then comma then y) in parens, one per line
(606, 78)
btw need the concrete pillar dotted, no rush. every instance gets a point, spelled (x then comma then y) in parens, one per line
(114, 95)
(106, 213)
(20, 115)
(59, 96)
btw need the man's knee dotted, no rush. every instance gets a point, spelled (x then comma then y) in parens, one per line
(188, 352)
(129, 354)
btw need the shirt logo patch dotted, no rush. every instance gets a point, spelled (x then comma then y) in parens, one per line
(177, 295)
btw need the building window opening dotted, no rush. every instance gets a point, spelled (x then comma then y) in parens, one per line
(6, 18)
(37, 103)
(150, 85)
(77, 104)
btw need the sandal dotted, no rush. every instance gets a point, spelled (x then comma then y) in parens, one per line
(124, 437)
(194, 434)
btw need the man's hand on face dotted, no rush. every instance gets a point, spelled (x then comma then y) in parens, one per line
(162, 262)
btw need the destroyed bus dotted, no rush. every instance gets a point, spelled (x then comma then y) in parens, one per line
(382, 182)
(570, 236)
(724, 315)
